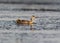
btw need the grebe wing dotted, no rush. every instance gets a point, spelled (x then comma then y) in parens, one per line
(25, 21)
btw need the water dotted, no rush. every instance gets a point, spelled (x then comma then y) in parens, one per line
(43, 22)
(28, 36)
(46, 29)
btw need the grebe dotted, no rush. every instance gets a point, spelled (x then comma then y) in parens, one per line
(18, 21)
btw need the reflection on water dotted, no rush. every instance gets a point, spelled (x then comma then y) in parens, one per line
(12, 25)
(43, 22)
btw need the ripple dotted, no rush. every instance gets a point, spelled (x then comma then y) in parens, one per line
(44, 22)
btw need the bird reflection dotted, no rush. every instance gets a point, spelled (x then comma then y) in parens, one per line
(31, 26)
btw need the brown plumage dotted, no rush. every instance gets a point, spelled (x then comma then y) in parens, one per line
(18, 21)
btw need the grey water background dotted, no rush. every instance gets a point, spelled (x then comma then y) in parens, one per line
(46, 20)
(42, 23)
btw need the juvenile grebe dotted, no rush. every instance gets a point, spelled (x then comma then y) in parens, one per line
(18, 21)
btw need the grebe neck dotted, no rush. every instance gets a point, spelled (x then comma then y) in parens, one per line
(32, 18)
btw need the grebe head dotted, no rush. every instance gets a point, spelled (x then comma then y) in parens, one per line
(33, 16)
